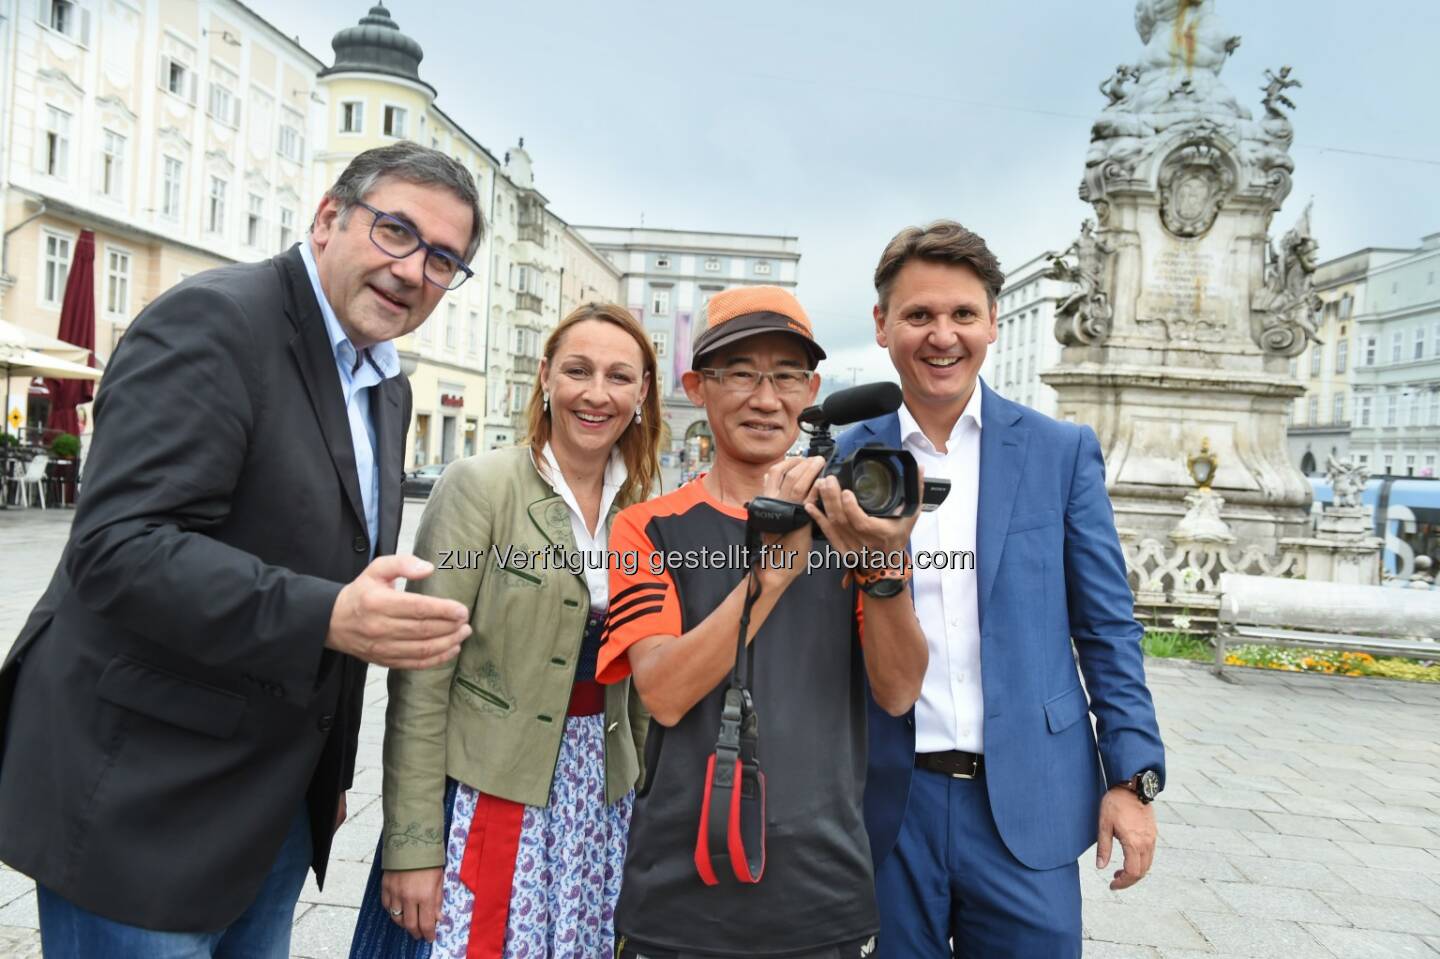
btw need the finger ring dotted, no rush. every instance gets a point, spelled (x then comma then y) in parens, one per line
(398, 911)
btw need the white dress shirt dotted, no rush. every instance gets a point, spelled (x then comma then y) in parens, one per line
(593, 545)
(951, 711)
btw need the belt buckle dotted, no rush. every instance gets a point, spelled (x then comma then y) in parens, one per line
(974, 769)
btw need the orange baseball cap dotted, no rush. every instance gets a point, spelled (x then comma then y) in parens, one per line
(749, 311)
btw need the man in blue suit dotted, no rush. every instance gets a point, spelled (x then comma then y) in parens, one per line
(981, 799)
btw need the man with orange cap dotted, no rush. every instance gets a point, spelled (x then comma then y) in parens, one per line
(764, 749)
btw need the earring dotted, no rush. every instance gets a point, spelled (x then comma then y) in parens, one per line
(637, 414)
(547, 402)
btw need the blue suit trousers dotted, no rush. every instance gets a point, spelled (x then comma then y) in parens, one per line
(950, 882)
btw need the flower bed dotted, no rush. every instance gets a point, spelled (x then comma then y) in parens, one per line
(1182, 645)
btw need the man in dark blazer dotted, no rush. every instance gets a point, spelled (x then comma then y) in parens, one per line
(179, 716)
(980, 799)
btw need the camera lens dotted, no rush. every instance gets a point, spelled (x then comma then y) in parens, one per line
(876, 487)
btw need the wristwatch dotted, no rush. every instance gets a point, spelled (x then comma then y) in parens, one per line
(883, 583)
(1145, 785)
(884, 588)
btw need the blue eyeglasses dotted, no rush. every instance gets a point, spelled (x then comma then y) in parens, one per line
(394, 237)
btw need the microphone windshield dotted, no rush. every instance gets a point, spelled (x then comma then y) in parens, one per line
(862, 403)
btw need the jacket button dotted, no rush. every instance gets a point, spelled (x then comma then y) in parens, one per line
(361, 544)
(324, 723)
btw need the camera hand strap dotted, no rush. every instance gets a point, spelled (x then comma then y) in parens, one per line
(732, 816)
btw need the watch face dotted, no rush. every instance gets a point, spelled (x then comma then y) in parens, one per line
(1149, 784)
(885, 588)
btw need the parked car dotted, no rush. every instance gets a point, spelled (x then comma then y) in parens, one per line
(419, 483)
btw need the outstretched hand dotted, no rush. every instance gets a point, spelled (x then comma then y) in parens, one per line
(375, 622)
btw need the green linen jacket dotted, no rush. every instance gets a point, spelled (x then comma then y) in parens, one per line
(493, 717)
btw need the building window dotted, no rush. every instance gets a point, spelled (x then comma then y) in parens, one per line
(452, 334)
(1389, 463)
(1347, 303)
(472, 333)
(224, 105)
(1435, 338)
(352, 116)
(254, 220)
(287, 227)
(1409, 464)
(527, 342)
(1364, 412)
(662, 263)
(292, 144)
(112, 164)
(215, 216)
(1392, 409)
(1342, 352)
(1419, 350)
(170, 188)
(762, 267)
(1312, 411)
(1294, 368)
(1315, 359)
(519, 397)
(712, 264)
(1337, 412)
(661, 341)
(395, 122)
(177, 78)
(1362, 459)
(660, 302)
(117, 282)
(1435, 407)
(67, 18)
(1370, 350)
(1396, 346)
(56, 268)
(57, 142)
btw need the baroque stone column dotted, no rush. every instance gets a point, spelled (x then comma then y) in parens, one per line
(1185, 314)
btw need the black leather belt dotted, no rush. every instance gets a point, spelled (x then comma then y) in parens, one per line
(954, 763)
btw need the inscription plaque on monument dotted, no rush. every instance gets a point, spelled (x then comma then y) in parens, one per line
(1182, 293)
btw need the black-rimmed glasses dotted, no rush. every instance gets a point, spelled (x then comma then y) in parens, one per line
(394, 237)
(746, 381)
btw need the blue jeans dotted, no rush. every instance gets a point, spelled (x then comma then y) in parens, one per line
(261, 932)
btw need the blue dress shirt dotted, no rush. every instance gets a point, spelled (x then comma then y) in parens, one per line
(358, 373)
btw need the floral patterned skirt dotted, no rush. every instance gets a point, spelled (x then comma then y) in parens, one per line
(562, 883)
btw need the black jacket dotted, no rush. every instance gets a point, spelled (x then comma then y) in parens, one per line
(170, 703)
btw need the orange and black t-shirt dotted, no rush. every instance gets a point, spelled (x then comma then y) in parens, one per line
(675, 560)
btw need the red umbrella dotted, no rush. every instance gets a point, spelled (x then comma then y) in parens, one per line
(77, 326)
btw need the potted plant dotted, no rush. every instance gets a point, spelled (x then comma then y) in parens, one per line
(66, 450)
(66, 446)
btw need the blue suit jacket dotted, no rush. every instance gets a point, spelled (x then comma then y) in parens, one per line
(1050, 571)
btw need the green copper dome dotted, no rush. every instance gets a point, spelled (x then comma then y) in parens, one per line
(376, 45)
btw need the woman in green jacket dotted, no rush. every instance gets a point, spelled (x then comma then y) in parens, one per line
(509, 773)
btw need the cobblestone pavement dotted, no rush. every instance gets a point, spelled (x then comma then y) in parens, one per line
(1301, 819)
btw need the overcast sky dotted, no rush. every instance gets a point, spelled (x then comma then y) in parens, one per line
(841, 121)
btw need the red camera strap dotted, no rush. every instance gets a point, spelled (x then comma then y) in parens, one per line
(732, 814)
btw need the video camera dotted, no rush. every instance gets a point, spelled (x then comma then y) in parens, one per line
(886, 482)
